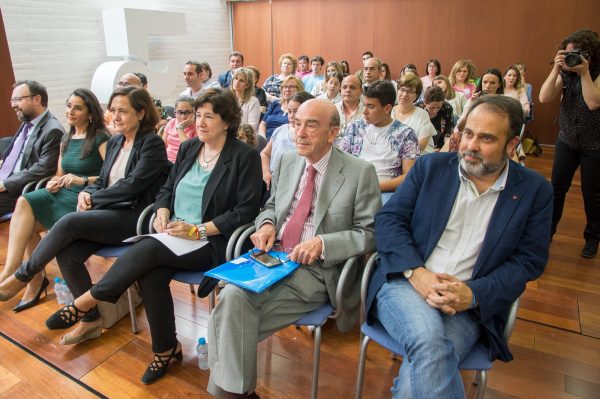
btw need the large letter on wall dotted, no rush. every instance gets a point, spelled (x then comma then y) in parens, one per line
(125, 33)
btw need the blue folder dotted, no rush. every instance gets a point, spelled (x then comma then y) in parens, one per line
(247, 273)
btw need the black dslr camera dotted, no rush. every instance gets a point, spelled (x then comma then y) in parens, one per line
(573, 58)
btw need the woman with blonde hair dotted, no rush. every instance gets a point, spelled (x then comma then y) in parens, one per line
(462, 76)
(287, 65)
(456, 98)
(276, 113)
(242, 85)
(513, 87)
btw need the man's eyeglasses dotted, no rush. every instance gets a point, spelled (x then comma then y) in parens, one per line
(18, 99)
(183, 113)
(122, 83)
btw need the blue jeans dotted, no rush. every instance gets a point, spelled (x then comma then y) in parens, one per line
(434, 342)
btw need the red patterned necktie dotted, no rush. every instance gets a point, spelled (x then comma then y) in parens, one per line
(293, 230)
(11, 159)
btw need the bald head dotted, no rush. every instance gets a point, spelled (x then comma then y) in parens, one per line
(317, 126)
(351, 89)
(129, 79)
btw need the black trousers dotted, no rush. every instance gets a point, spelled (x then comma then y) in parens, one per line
(566, 162)
(152, 265)
(7, 202)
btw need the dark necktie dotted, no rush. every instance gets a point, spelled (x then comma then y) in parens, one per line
(293, 230)
(9, 163)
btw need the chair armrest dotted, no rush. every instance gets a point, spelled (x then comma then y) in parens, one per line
(364, 285)
(510, 322)
(140, 223)
(229, 252)
(347, 270)
(29, 187)
(241, 239)
(42, 182)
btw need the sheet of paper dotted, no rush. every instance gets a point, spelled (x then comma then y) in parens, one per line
(179, 246)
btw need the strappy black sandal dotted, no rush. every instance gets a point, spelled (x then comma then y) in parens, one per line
(65, 317)
(158, 368)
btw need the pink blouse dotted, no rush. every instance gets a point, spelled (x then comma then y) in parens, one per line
(467, 91)
(173, 142)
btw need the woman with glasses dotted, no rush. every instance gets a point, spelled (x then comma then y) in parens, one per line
(409, 89)
(215, 170)
(276, 114)
(272, 85)
(180, 128)
(81, 156)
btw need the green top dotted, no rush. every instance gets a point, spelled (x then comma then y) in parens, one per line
(189, 193)
(89, 166)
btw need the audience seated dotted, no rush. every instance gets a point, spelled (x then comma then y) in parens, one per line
(386, 74)
(371, 69)
(406, 69)
(208, 82)
(246, 134)
(193, 76)
(275, 115)
(287, 64)
(332, 85)
(528, 90)
(33, 152)
(439, 288)
(409, 89)
(351, 107)
(180, 128)
(234, 201)
(236, 60)
(432, 69)
(440, 114)
(316, 66)
(243, 88)
(135, 167)
(319, 88)
(455, 98)
(462, 76)
(513, 87)
(388, 144)
(282, 140)
(345, 67)
(321, 208)
(259, 93)
(80, 160)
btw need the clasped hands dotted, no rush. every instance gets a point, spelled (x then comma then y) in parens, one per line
(442, 291)
(304, 253)
(64, 181)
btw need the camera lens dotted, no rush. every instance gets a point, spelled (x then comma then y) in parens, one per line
(572, 59)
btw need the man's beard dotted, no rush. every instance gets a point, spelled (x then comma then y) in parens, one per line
(482, 168)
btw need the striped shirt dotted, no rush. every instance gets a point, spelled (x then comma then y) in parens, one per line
(308, 231)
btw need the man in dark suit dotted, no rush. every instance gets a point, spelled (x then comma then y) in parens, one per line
(236, 60)
(33, 152)
(321, 209)
(457, 242)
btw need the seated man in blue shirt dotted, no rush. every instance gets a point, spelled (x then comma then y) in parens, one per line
(457, 242)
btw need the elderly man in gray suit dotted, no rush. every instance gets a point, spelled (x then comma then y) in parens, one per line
(33, 152)
(321, 210)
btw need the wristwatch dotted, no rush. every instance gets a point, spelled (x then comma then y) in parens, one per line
(85, 180)
(408, 273)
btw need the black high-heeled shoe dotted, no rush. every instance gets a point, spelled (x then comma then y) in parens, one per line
(26, 305)
(65, 317)
(158, 368)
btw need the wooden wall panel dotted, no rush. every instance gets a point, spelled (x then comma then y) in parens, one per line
(252, 35)
(493, 33)
(8, 120)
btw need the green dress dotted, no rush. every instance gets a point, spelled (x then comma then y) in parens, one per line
(49, 207)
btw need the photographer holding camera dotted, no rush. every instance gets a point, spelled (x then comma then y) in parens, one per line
(575, 76)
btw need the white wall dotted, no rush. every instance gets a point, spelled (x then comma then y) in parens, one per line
(60, 43)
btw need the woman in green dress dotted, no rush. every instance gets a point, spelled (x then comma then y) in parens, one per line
(81, 157)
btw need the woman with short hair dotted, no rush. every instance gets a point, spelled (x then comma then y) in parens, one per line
(272, 86)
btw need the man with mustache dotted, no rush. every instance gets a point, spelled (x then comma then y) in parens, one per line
(457, 243)
(33, 152)
(321, 210)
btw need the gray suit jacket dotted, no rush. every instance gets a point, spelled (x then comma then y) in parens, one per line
(40, 157)
(346, 203)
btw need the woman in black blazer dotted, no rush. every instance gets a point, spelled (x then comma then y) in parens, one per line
(214, 187)
(134, 169)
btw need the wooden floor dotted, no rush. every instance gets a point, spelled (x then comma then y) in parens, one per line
(556, 342)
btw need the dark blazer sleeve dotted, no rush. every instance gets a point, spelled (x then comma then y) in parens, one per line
(246, 187)
(43, 160)
(145, 167)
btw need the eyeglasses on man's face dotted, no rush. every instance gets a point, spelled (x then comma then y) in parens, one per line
(18, 99)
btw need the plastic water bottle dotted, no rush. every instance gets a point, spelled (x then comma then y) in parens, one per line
(202, 350)
(58, 291)
(68, 297)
